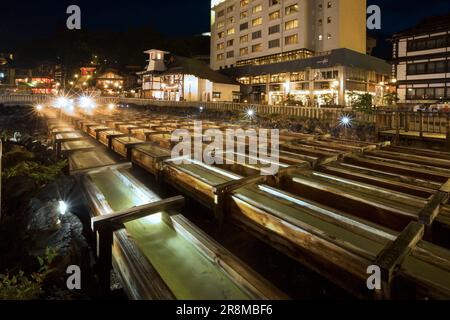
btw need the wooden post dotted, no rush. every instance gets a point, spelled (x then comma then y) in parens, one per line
(421, 124)
(397, 127)
(447, 134)
(406, 121)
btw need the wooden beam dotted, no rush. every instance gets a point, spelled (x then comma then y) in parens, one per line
(116, 220)
(106, 225)
(431, 210)
(117, 166)
(394, 253)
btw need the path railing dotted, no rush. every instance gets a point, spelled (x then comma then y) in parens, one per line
(408, 121)
(422, 122)
(25, 98)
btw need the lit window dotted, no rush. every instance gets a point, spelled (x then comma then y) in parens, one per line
(230, 31)
(320, 37)
(291, 24)
(291, 39)
(243, 39)
(274, 15)
(243, 51)
(257, 47)
(328, 36)
(257, 22)
(220, 35)
(220, 57)
(244, 14)
(220, 46)
(244, 3)
(257, 9)
(291, 9)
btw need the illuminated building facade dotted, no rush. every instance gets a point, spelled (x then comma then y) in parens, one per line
(300, 52)
(175, 78)
(422, 62)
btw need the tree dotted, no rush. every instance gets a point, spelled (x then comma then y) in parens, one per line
(363, 102)
(391, 98)
(328, 99)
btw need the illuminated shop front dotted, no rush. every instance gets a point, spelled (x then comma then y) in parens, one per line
(317, 81)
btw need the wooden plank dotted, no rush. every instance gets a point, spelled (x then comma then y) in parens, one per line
(116, 220)
(394, 253)
(118, 166)
(431, 210)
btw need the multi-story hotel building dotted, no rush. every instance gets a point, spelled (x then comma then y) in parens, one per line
(300, 50)
(421, 62)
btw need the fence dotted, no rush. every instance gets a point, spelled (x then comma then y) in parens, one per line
(407, 121)
(422, 122)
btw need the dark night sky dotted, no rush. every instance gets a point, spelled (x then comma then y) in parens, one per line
(25, 20)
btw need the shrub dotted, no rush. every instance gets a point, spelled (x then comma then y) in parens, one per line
(21, 287)
(41, 174)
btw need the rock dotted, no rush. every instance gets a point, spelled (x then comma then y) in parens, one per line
(20, 189)
(46, 219)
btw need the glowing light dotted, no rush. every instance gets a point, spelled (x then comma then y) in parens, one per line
(111, 106)
(76, 76)
(287, 86)
(346, 121)
(250, 113)
(62, 207)
(201, 109)
(394, 80)
(335, 84)
(39, 107)
(86, 102)
(62, 102)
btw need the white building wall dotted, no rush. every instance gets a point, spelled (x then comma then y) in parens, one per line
(226, 91)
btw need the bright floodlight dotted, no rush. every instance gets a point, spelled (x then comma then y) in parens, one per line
(346, 121)
(62, 207)
(111, 106)
(39, 107)
(201, 109)
(62, 102)
(250, 112)
(86, 102)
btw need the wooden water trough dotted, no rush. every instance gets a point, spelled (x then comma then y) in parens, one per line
(61, 138)
(340, 246)
(124, 145)
(156, 251)
(106, 137)
(150, 157)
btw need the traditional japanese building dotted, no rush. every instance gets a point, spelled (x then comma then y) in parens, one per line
(421, 61)
(171, 77)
